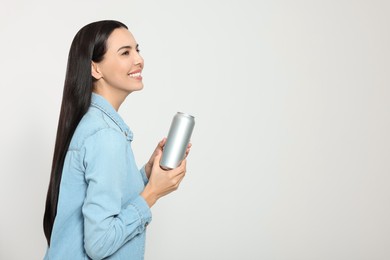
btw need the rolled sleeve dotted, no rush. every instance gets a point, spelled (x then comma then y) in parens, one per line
(108, 224)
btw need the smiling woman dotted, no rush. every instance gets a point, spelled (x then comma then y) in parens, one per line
(119, 73)
(98, 201)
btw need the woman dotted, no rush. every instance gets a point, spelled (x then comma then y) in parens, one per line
(98, 202)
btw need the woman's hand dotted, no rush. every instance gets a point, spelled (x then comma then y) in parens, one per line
(162, 182)
(159, 149)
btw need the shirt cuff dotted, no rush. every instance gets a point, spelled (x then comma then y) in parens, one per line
(143, 173)
(143, 210)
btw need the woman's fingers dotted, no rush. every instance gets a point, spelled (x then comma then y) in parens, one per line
(157, 159)
(162, 143)
(188, 150)
(182, 167)
(178, 170)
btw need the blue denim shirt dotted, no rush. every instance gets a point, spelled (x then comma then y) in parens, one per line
(100, 213)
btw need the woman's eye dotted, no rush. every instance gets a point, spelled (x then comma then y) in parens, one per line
(126, 53)
(138, 50)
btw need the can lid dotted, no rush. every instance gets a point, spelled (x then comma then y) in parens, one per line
(185, 114)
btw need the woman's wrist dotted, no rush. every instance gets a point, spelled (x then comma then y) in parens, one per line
(149, 196)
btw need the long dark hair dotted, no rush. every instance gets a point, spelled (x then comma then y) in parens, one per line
(88, 45)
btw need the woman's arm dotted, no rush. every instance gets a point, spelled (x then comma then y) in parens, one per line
(108, 225)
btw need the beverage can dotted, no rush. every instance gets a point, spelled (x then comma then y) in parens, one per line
(178, 139)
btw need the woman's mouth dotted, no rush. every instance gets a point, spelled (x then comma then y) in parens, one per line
(136, 75)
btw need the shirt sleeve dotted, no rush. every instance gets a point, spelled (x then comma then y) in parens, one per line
(108, 225)
(143, 174)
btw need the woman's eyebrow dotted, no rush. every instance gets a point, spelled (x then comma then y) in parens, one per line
(127, 47)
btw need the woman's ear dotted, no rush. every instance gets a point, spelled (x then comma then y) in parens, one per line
(95, 72)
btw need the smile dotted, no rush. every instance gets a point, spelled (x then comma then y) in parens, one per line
(135, 75)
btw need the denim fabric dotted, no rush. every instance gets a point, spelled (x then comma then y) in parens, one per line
(100, 212)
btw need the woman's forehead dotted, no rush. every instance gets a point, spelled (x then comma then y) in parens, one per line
(120, 37)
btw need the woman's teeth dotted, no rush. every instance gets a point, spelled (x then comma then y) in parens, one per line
(135, 75)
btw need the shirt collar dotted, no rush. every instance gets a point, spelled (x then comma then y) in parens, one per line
(102, 104)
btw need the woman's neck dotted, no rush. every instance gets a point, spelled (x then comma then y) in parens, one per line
(114, 97)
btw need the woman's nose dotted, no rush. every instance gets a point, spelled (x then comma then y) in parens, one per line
(139, 60)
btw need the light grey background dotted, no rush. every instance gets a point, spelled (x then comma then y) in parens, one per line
(290, 155)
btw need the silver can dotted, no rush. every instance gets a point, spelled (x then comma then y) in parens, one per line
(177, 141)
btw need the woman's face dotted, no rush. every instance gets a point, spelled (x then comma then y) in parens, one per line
(121, 68)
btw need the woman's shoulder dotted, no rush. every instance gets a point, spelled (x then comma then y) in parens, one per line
(92, 123)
